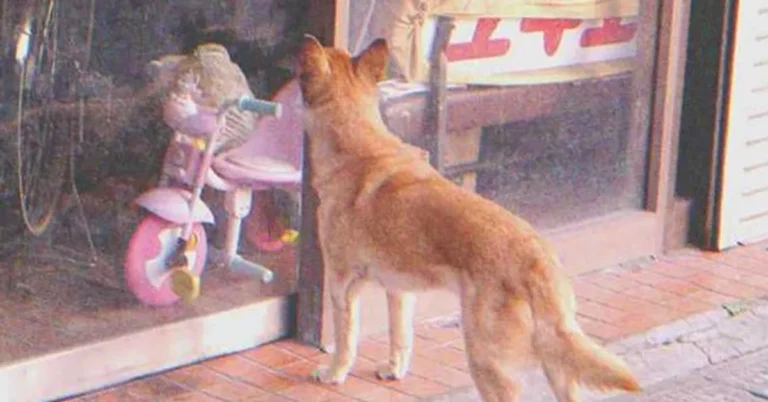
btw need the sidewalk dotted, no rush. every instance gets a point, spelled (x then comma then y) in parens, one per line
(737, 375)
(690, 291)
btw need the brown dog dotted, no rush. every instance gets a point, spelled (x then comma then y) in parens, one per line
(387, 216)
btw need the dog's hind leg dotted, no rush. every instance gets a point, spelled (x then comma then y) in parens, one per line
(563, 386)
(344, 292)
(496, 331)
(495, 378)
(401, 310)
(492, 380)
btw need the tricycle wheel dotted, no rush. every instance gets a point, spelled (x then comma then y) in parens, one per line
(151, 245)
(265, 228)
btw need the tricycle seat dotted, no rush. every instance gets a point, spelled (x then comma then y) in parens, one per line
(255, 170)
(272, 154)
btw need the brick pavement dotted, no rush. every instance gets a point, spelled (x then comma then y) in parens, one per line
(614, 304)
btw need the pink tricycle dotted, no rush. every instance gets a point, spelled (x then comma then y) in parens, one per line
(167, 252)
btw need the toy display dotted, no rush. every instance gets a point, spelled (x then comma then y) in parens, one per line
(224, 139)
(88, 124)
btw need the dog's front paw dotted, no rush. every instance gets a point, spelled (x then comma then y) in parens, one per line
(326, 375)
(391, 372)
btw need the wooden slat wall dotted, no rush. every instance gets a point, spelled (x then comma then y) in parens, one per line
(744, 212)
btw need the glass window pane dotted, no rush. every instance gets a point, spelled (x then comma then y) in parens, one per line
(86, 129)
(547, 107)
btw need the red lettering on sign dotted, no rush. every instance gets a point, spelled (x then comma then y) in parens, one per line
(481, 46)
(611, 32)
(552, 28)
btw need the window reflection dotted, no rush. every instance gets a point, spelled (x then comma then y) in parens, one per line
(541, 102)
(82, 135)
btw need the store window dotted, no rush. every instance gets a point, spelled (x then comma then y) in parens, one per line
(547, 105)
(86, 130)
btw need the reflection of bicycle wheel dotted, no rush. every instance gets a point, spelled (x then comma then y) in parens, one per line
(41, 160)
(41, 134)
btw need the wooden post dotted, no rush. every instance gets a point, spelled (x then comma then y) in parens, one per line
(667, 110)
(326, 20)
(436, 119)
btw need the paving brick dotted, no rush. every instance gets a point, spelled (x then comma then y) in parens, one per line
(600, 312)
(611, 281)
(712, 298)
(724, 286)
(365, 368)
(465, 394)
(440, 373)
(298, 348)
(267, 380)
(418, 386)
(313, 393)
(301, 370)
(421, 343)
(591, 291)
(747, 332)
(155, 387)
(231, 365)
(672, 270)
(599, 329)
(642, 322)
(116, 394)
(681, 287)
(272, 398)
(689, 305)
(373, 350)
(658, 363)
(679, 330)
(693, 259)
(754, 265)
(749, 372)
(693, 391)
(441, 335)
(651, 294)
(667, 333)
(195, 376)
(368, 391)
(628, 344)
(190, 397)
(458, 344)
(743, 262)
(233, 391)
(707, 319)
(739, 275)
(718, 349)
(646, 277)
(448, 356)
(271, 355)
(756, 253)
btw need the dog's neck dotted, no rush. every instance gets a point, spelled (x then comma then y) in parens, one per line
(341, 139)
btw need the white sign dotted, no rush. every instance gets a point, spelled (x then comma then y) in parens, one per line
(489, 46)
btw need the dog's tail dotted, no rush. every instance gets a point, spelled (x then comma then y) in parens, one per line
(562, 346)
(593, 366)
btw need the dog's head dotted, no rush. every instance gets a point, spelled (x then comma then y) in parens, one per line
(332, 76)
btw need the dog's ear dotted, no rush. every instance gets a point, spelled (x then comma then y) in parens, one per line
(371, 64)
(312, 60)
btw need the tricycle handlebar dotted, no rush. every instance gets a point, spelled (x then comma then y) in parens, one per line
(250, 104)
